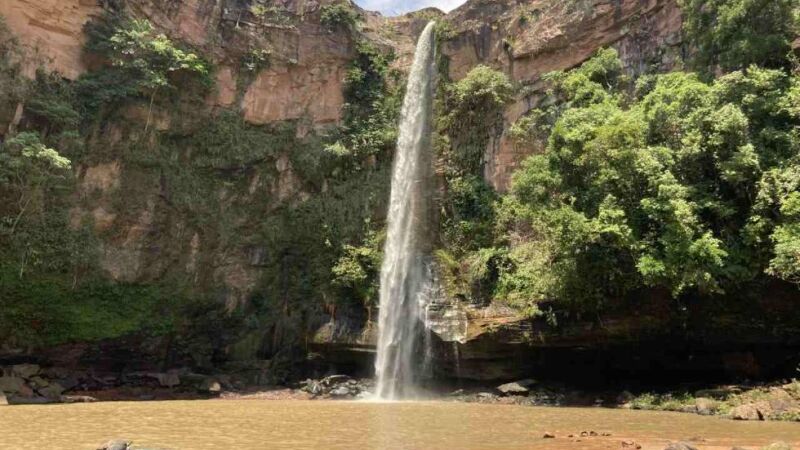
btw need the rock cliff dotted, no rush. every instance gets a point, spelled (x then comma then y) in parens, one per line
(284, 70)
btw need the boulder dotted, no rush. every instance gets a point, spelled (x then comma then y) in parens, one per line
(516, 388)
(25, 370)
(745, 412)
(37, 382)
(778, 446)
(52, 391)
(116, 445)
(341, 391)
(169, 379)
(706, 406)
(68, 383)
(680, 446)
(334, 379)
(548, 435)
(11, 384)
(210, 385)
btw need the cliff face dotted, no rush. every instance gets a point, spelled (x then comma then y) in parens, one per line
(149, 235)
(531, 39)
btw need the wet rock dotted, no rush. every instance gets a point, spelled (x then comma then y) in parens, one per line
(314, 387)
(341, 391)
(680, 446)
(548, 435)
(520, 387)
(778, 446)
(334, 379)
(486, 396)
(11, 384)
(25, 370)
(116, 445)
(705, 406)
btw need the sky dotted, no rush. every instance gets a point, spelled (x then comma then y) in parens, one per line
(397, 7)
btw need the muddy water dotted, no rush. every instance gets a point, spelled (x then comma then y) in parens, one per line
(253, 424)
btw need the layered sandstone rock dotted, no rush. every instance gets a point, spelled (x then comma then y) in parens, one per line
(51, 31)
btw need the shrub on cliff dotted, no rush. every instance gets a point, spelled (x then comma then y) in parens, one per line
(474, 113)
(142, 62)
(339, 15)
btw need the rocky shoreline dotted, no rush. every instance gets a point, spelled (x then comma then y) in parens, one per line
(32, 384)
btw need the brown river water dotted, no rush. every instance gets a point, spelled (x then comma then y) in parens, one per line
(259, 424)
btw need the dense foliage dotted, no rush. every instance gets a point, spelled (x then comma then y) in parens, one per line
(733, 34)
(682, 185)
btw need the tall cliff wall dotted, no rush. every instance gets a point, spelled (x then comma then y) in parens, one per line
(159, 213)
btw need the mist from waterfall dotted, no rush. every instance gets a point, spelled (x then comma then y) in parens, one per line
(406, 272)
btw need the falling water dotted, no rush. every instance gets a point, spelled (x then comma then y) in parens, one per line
(405, 274)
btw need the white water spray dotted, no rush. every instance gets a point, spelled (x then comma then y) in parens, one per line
(405, 273)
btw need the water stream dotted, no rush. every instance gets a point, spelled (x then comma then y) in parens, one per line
(405, 273)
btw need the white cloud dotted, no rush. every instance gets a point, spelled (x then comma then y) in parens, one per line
(397, 7)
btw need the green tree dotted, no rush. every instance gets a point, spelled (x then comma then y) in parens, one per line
(686, 187)
(733, 34)
(143, 62)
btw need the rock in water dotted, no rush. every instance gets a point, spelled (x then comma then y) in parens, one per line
(778, 446)
(516, 388)
(116, 445)
(680, 446)
(341, 391)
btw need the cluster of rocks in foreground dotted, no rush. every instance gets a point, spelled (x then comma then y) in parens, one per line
(338, 387)
(767, 402)
(32, 384)
(633, 445)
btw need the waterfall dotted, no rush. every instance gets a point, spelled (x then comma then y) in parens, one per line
(405, 273)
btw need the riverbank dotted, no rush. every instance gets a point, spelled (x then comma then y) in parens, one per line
(32, 384)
